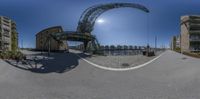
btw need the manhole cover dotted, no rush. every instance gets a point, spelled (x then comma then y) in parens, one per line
(184, 58)
(125, 64)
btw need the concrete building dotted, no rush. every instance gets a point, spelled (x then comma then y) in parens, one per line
(172, 45)
(42, 42)
(190, 33)
(175, 42)
(8, 35)
(178, 41)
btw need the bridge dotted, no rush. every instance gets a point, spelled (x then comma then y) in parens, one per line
(74, 36)
(87, 21)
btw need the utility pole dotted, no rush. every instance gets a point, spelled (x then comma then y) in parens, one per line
(155, 44)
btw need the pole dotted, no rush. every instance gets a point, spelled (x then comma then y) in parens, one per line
(155, 44)
(181, 44)
(49, 47)
(22, 44)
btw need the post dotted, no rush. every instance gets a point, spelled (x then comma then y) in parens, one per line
(22, 44)
(85, 45)
(49, 47)
(181, 44)
(155, 44)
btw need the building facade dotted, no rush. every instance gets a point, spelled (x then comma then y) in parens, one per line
(43, 44)
(8, 35)
(190, 33)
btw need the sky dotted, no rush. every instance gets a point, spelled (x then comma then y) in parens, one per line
(124, 26)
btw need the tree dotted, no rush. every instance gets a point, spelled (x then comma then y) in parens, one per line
(14, 41)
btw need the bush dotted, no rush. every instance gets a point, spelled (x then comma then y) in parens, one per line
(196, 55)
(11, 55)
(177, 50)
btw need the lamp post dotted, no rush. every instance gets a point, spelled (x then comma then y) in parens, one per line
(155, 44)
(49, 47)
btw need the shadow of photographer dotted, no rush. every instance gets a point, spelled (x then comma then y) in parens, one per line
(57, 62)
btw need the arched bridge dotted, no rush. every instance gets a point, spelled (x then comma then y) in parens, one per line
(87, 21)
(89, 16)
(74, 36)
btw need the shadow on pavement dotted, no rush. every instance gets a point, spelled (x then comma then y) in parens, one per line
(58, 63)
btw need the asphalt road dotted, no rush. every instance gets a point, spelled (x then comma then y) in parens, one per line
(172, 76)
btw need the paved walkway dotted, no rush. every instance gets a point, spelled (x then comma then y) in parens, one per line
(172, 76)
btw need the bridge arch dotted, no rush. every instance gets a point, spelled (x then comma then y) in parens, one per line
(86, 24)
(89, 16)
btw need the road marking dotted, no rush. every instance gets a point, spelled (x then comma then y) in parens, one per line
(121, 69)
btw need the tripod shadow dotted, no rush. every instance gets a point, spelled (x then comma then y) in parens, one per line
(57, 62)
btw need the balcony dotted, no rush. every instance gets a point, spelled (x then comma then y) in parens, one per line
(13, 28)
(6, 42)
(197, 25)
(5, 18)
(194, 28)
(195, 49)
(195, 38)
(192, 21)
(194, 17)
(5, 21)
(194, 32)
(13, 23)
(6, 35)
(7, 26)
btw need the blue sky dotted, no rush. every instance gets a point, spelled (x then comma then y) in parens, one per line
(120, 26)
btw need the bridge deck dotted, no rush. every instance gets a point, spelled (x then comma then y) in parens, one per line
(73, 36)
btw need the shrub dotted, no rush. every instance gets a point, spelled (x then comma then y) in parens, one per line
(11, 55)
(196, 55)
(177, 50)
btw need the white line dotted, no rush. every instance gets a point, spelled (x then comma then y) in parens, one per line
(121, 69)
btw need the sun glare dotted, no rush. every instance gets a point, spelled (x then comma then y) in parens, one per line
(100, 21)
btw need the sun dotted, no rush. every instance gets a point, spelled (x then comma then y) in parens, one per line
(100, 21)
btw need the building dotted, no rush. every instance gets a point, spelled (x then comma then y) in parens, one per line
(178, 41)
(8, 35)
(175, 42)
(42, 41)
(190, 33)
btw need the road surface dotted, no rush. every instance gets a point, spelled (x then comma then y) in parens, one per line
(172, 76)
